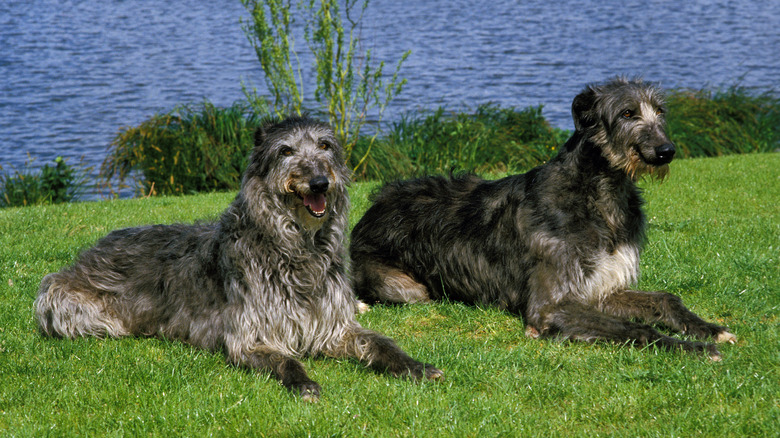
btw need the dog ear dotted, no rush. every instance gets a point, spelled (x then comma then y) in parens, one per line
(583, 109)
(263, 129)
(259, 136)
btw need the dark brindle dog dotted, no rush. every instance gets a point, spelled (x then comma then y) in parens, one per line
(264, 284)
(558, 245)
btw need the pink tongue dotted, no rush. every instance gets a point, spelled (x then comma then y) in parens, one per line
(315, 202)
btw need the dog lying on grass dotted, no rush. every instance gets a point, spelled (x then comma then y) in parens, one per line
(265, 284)
(558, 246)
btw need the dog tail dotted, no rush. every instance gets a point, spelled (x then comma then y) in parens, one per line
(62, 312)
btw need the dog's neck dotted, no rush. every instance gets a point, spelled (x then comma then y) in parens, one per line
(616, 197)
(583, 159)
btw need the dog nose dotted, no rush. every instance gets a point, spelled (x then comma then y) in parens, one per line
(319, 184)
(665, 152)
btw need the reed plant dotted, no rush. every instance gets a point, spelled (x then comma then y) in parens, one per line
(706, 123)
(204, 148)
(488, 140)
(351, 88)
(193, 148)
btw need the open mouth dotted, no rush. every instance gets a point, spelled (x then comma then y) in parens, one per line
(315, 203)
(312, 197)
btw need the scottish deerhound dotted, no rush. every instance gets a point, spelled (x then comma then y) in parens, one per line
(264, 284)
(558, 245)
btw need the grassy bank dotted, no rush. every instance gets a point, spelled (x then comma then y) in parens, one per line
(713, 239)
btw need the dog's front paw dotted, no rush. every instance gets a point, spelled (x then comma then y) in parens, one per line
(419, 371)
(712, 352)
(725, 336)
(433, 373)
(307, 391)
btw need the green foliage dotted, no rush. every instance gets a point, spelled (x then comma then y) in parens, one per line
(203, 149)
(269, 34)
(705, 123)
(712, 239)
(51, 184)
(188, 150)
(495, 139)
(491, 139)
(350, 89)
(348, 93)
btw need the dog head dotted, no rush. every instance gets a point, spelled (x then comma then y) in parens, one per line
(300, 161)
(626, 119)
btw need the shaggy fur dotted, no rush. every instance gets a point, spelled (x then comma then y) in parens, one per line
(265, 284)
(558, 245)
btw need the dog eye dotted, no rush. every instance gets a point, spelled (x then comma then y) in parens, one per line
(286, 151)
(659, 111)
(324, 146)
(627, 114)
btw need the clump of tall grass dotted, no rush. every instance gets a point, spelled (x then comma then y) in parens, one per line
(61, 182)
(705, 123)
(490, 139)
(187, 150)
(194, 149)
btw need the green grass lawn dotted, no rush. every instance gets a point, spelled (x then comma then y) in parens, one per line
(713, 239)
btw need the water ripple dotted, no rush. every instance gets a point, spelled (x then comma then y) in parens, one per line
(74, 72)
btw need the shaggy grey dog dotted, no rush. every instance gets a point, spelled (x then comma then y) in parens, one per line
(558, 245)
(264, 284)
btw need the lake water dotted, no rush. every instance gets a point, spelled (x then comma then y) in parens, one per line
(73, 72)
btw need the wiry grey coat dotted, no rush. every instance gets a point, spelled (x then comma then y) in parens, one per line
(558, 245)
(264, 284)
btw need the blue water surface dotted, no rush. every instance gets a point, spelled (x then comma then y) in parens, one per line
(72, 73)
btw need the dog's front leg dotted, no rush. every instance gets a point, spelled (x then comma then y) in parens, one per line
(664, 308)
(288, 370)
(577, 321)
(382, 354)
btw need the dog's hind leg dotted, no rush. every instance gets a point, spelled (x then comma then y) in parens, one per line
(63, 310)
(577, 321)
(664, 308)
(382, 354)
(374, 281)
(287, 370)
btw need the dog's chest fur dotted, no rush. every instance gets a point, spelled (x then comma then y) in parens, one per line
(613, 264)
(592, 236)
(294, 298)
(608, 272)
